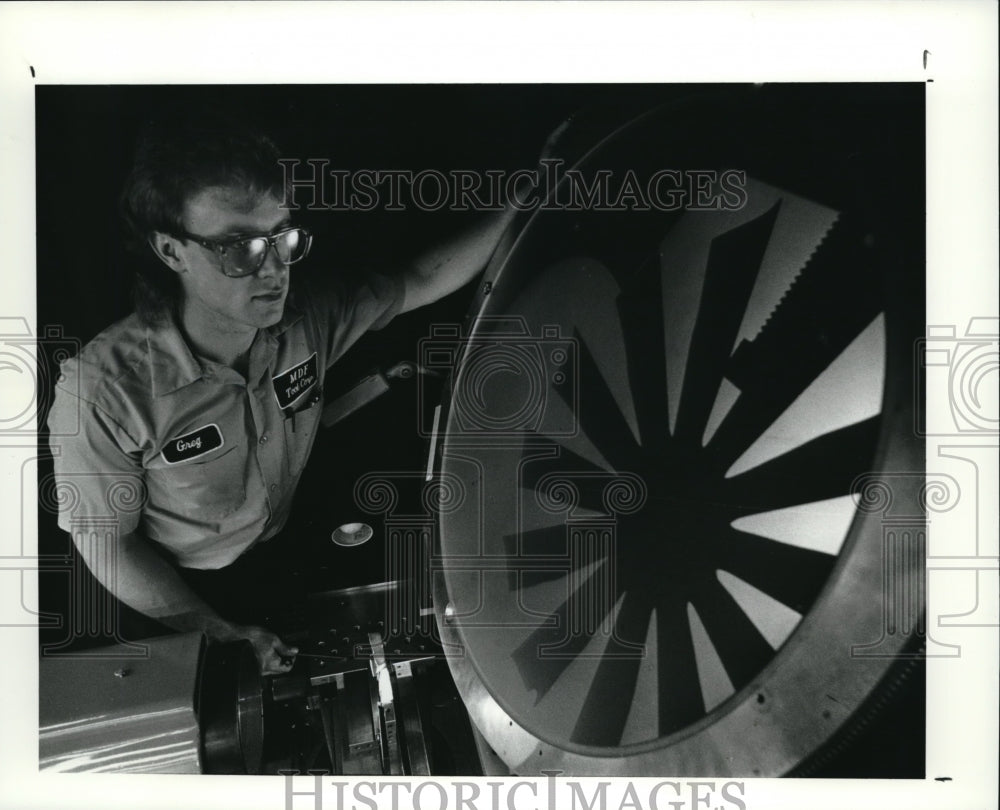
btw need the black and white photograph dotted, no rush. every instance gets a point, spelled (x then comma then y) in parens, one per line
(433, 440)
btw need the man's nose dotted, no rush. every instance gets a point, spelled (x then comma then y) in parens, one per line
(272, 266)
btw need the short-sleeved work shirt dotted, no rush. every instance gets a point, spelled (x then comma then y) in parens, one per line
(219, 455)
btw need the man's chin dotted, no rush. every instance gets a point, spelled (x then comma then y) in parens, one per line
(268, 313)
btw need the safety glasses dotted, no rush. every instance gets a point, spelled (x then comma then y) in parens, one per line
(245, 255)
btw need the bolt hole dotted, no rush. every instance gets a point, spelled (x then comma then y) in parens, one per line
(826, 714)
(760, 698)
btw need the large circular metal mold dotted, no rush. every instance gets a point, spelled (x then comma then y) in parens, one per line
(672, 428)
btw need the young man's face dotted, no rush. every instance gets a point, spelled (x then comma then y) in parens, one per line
(232, 304)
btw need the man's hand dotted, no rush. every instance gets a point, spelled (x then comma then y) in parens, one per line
(273, 656)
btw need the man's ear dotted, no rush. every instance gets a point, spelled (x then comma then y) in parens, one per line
(166, 247)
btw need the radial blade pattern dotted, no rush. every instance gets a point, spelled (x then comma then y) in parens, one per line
(600, 417)
(550, 542)
(549, 649)
(740, 645)
(609, 699)
(792, 575)
(817, 470)
(539, 474)
(679, 700)
(733, 262)
(641, 311)
(830, 304)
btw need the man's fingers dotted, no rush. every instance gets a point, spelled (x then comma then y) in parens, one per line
(275, 669)
(284, 649)
(275, 664)
(274, 657)
(283, 655)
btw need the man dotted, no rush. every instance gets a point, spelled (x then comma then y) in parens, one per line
(207, 398)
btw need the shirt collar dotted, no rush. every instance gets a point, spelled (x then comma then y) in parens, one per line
(291, 316)
(173, 366)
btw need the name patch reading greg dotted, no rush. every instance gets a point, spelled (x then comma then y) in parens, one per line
(291, 384)
(193, 444)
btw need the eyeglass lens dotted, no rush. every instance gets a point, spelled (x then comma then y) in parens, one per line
(248, 256)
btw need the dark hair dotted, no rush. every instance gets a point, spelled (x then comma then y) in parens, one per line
(176, 158)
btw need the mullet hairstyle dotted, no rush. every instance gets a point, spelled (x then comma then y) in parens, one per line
(174, 160)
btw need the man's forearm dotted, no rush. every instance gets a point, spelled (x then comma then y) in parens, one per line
(449, 267)
(148, 583)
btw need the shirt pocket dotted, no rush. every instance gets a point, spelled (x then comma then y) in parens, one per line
(208, 489)
(300, 431)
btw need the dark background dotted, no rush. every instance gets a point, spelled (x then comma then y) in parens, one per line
(85, 136)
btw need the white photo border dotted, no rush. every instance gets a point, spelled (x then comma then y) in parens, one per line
(952, 46)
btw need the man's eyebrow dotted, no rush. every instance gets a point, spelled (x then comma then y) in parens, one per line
(237, 234)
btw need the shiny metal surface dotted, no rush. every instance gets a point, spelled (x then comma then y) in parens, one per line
(361, 648)
(342, 624)
(102, 714)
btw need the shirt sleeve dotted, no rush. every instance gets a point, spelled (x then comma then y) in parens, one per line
(348, 310)
(98, 474)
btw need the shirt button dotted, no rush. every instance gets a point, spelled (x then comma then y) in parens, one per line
(274, 487)
(263, 439)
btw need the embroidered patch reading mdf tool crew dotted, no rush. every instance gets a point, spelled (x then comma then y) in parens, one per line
(191, 445)
(290, 385)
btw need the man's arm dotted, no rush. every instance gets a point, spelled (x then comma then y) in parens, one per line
(148, 583)
(91, 456)
(451, 266)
